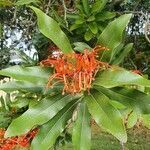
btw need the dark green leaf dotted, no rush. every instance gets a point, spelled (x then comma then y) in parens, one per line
(81, 130)
(38, 114)
(106, 116)
(131, 98)
(111, 37)
(50, 28)
(120, 57)
(116, 76)
(72, 16)
(102, 16)
(86, 7)
(49, 132)
(98, 5)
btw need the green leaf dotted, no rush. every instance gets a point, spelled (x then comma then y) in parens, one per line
(22, 86)
(25, 2)
(34, 74)
(72, 16)
(91, 18)
(116, 76)
(120, 57)
(116, 51)
(86, 7)
(93, 27)
(106, 116)
(49, 132)
(131, 98)
(146, 120)
(80, 46)
(81, 130)
(132, 120)
(79, 21)
(75, 26)
(88, 35)
(105, 15)
(38, 114)
(111, 37)
(98, 5)
(50, 28)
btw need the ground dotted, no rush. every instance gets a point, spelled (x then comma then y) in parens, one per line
(138, 139)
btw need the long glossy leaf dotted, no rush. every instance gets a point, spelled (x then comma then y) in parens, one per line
(22, 86)
(82, 130)
(34, 74)
(111, 37)
(48, 133)
(38, 114)
(131, 98)
(116, 76)
(50, 28)
(106, 116)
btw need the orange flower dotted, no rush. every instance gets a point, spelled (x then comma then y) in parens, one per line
(11, 143)
(76, 71)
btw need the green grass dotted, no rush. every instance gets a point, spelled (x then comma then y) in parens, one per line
(138, 139)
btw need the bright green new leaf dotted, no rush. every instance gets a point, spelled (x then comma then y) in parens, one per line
(111, 37)
(93, 27)
(49, 132)
(34, 74)
(50, 28)
(106, 116)
(25, 2)
(82, 131)
(116, 76)
(88, 35)
(38, 114)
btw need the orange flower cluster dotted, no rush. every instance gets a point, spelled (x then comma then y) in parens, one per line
(13, 142)
(76, 70)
